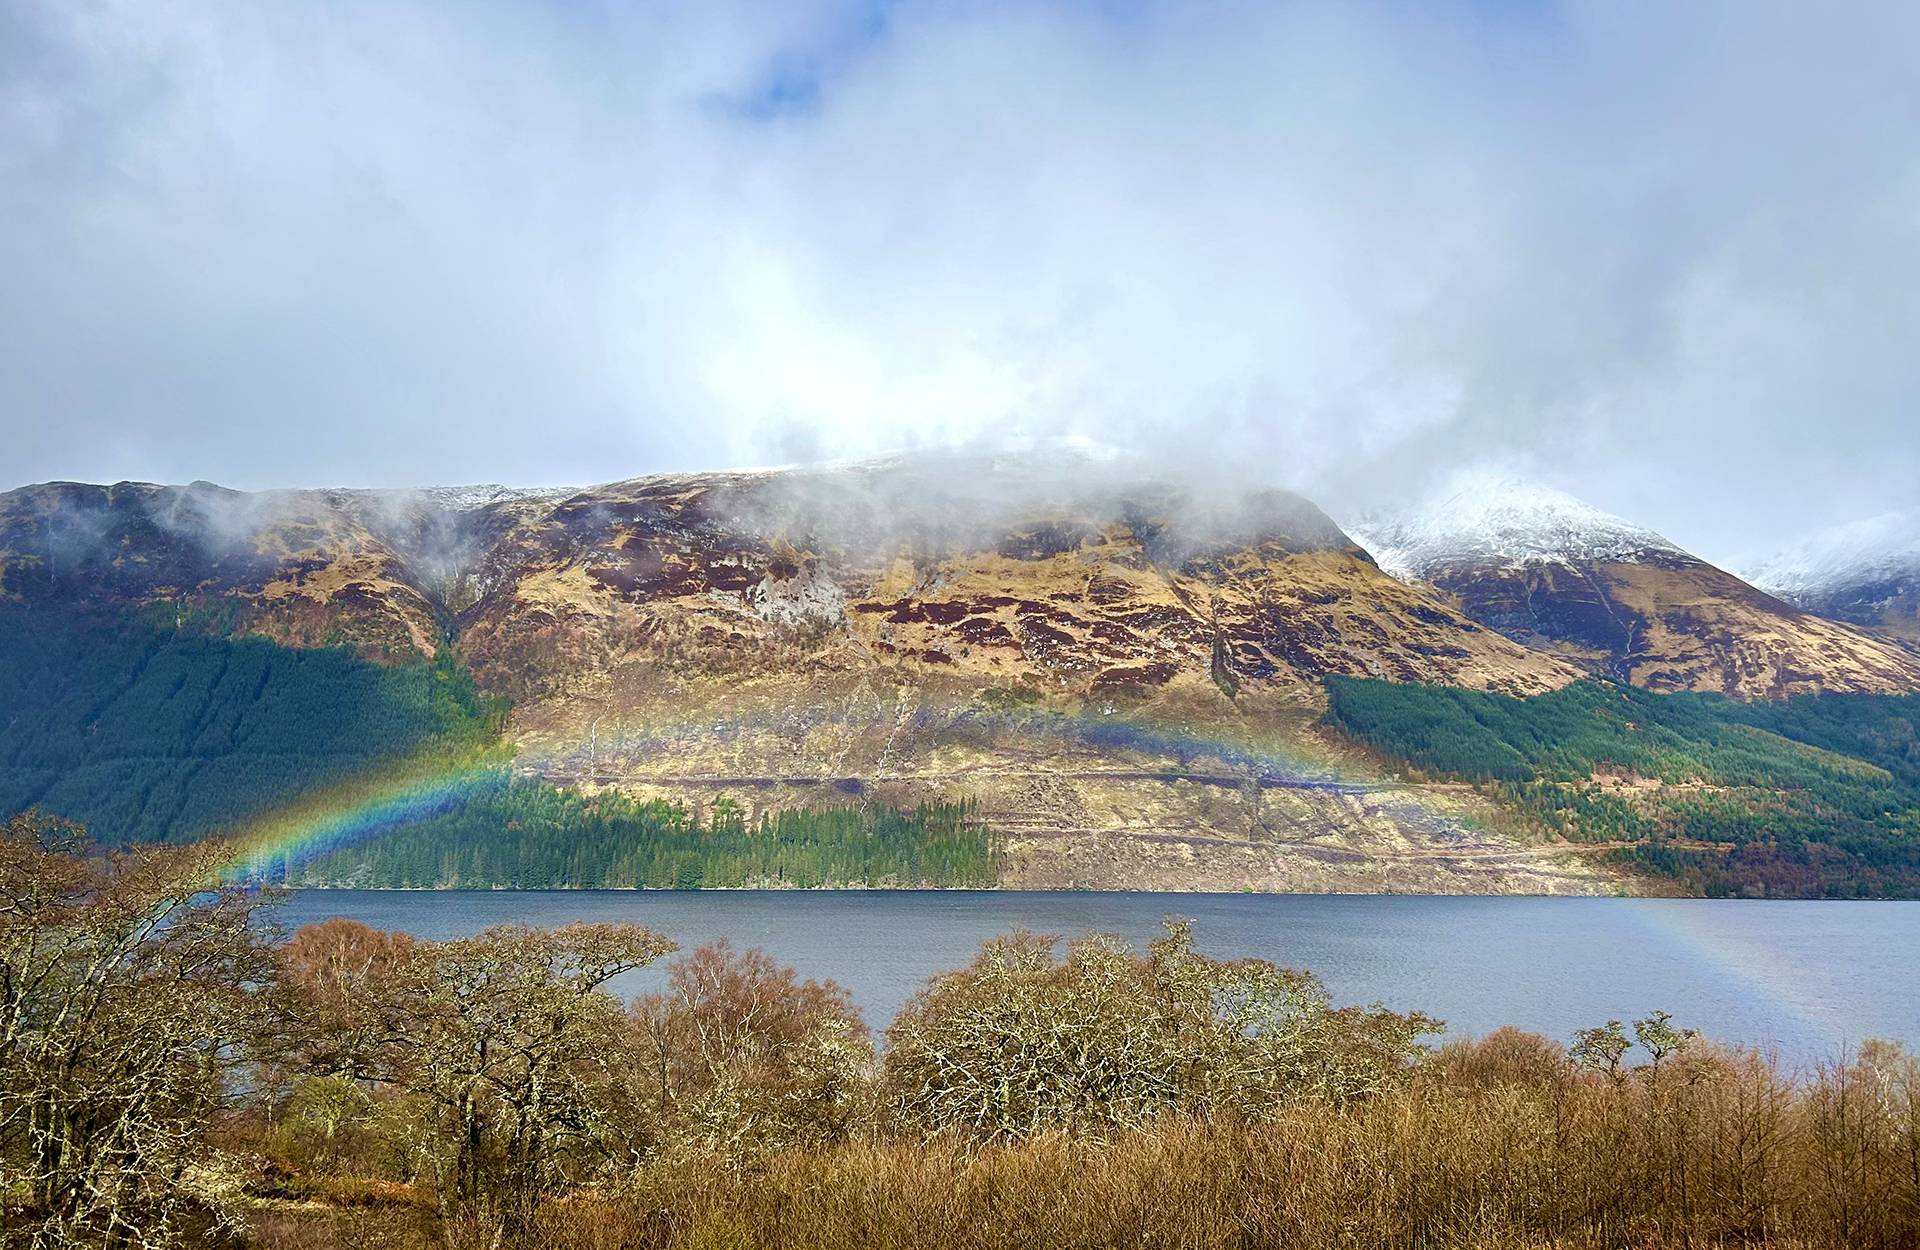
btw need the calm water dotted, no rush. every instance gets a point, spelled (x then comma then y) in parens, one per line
(1802, 977)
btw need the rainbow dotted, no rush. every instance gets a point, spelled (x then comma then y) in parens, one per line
(269, 848)
(1175, 744)
(1748, 969)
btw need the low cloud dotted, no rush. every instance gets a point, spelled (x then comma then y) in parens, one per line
(1666, 258)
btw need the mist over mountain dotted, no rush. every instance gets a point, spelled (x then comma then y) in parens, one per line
(1866, 572)
(459, 555)
(395, 570)
(1553, 572)
(1341, 251)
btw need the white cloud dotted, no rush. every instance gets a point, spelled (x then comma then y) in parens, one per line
(1668, 256)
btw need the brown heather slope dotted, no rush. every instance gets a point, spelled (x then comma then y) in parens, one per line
(713, 572)
(1672, 623)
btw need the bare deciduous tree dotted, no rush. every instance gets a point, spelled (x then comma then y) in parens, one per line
(507, 1034)
(1021, 1042)
(739, 1057)
(126, 983)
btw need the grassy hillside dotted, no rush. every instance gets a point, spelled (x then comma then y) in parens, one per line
(156, 730)
(166, 729)
(1817, 795)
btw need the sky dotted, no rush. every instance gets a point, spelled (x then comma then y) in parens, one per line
(1663, 255)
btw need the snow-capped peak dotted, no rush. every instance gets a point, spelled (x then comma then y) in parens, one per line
(464, 498)
(1487, 518)
(1878, 549)
(443, 498)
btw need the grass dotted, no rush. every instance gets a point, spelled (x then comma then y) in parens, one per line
(1496, 1144)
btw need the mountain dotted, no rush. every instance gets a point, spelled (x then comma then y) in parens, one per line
(1554, 573)
(1121, 677)
(1865, 573)
(1042, 670)
(1126, 588)
(948, 565)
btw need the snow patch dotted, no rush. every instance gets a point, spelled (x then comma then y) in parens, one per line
(1482, 519)
(467, 498)
(1874, 551)
(378, 500)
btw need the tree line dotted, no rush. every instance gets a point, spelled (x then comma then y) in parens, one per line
(534, 835)
(173, 1072)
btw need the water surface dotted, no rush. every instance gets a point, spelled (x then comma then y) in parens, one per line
(1804, 978)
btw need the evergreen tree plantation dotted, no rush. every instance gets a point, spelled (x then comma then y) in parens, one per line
(1806, 796)
(537, 836)
(159, 728)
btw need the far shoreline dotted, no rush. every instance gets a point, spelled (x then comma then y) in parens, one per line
(864, 889)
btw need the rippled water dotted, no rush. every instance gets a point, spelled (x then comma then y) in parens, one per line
(1804, 978)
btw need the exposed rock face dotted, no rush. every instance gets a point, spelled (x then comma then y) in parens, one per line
(798, 594)
(1553, 573)
(1865, 573)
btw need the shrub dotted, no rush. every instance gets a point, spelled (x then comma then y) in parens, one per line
(1506, 1057)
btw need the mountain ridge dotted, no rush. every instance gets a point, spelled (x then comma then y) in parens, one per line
(1864, 572)
(1124, 678)
(1620, 600)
